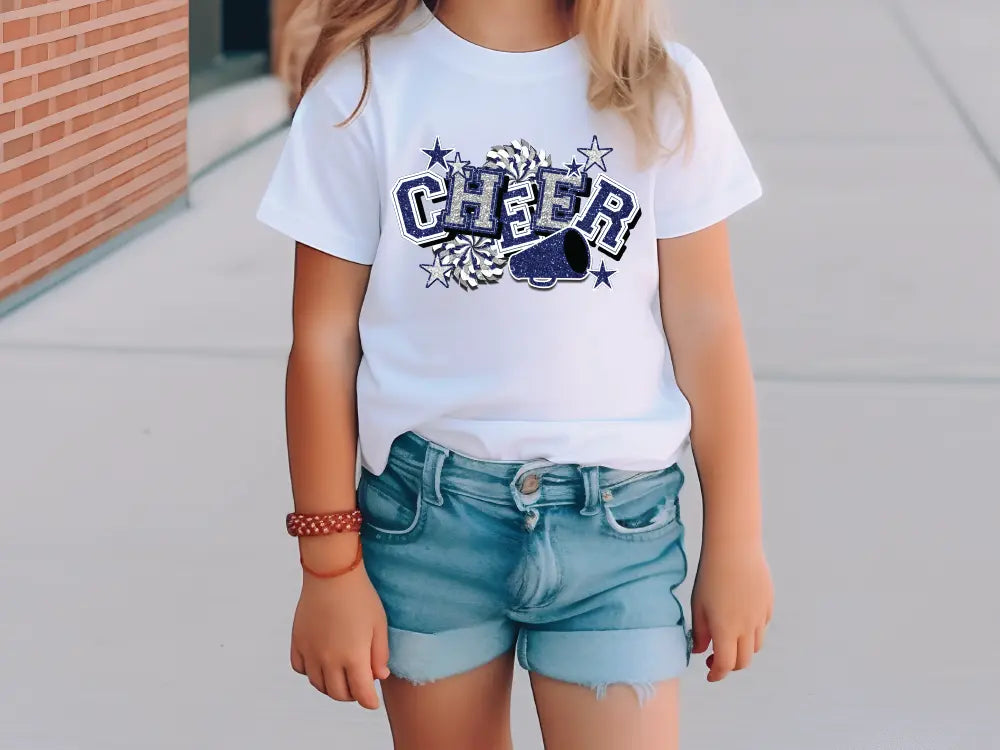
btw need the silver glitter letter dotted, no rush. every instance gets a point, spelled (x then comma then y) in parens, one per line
(473, 200)
(558, 199)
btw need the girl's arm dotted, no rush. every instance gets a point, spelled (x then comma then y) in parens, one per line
(321, 410)
(732, 599)
(339, 637)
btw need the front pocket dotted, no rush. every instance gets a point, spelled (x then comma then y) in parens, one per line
(646, 508)
(392, 509)
(643, 516)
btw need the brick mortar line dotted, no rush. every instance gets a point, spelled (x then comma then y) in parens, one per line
(136, 135)
(81, 213)
(49, 7)
(111, 123)
(99, 76)
(163, 194)
(171, 185)
(99, 178)
(85, 107)
(87, 53)
(112, 19)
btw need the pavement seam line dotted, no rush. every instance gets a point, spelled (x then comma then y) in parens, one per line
(262, 353)
(125, 349)
(244, 147)
(929, 62)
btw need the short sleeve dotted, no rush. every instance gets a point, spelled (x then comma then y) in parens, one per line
(712, 178)
(324, 190)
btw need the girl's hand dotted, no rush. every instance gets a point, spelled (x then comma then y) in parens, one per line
(731, 606)
(340, 638)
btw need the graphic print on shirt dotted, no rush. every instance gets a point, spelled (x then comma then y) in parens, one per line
(546, 224)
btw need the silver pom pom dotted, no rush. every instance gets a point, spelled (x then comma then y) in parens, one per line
(473, 259)
(519, 159)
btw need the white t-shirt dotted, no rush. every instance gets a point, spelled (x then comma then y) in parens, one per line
(512, 311)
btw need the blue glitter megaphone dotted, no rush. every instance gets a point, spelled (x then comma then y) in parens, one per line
(564, 256)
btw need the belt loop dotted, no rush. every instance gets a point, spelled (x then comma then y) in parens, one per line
(430, 489)
(592, 490)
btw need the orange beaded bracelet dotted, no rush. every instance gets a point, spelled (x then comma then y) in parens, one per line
(319, 524)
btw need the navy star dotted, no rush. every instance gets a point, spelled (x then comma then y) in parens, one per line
(457, 164)
(574, 168)
(595, 155)
(603, 276)
(437, 154)
(436, 271)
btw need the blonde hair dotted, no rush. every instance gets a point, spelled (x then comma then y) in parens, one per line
(630, 69)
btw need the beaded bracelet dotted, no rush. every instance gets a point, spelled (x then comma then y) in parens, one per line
(320, 524)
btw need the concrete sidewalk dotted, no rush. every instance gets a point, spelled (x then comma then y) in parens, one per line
(142, 414)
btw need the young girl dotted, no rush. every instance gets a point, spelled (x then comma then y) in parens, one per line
(504, 210)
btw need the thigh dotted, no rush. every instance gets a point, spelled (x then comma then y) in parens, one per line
(468, 710)
(573, 717)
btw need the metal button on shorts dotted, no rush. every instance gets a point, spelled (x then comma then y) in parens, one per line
(529, 484)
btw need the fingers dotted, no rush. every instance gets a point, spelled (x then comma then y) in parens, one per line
(361, 683)
(336, 683)
(298, 661)
(732, 653)
(380, 652)
(744, 651)
(314, 671)
(723, 658)
(701, 635)
(355, 684)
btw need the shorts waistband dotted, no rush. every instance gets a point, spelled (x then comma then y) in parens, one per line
(525, 484)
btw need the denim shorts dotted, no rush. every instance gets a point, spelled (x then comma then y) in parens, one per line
(574, 565)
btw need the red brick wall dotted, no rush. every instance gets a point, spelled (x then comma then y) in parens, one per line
(93, 109)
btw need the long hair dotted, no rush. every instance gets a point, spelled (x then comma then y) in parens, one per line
(630, 69)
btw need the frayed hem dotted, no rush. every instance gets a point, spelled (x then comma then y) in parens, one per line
(415, 681)
(644, 691)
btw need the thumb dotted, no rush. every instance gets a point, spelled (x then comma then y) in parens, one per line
(701, 635)
(380, 652)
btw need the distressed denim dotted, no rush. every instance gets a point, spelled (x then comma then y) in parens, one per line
(575, 566)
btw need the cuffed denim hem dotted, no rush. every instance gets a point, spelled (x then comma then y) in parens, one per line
(426, 657)
(638, 657)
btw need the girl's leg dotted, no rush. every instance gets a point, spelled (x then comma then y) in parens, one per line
(466, 711)
(573, 718)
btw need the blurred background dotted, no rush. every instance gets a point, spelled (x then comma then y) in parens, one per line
(146, 585)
